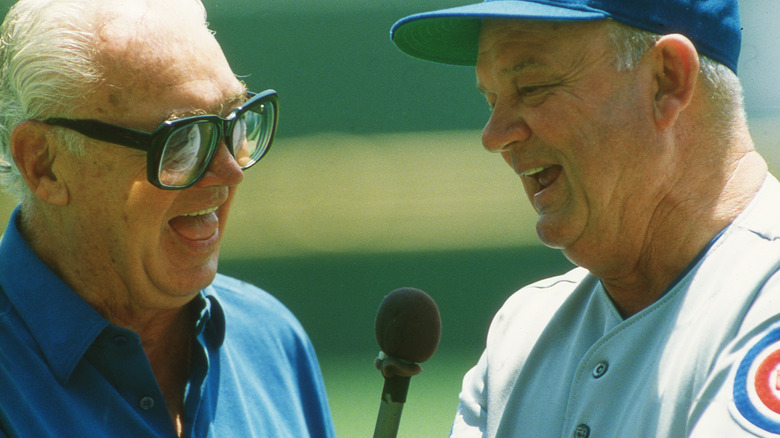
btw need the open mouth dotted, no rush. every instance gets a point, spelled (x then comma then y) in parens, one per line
(196, 225)
(544, 176)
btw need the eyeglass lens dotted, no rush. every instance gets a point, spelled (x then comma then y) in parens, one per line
(186, 152)
(251, 134)
(189, 149)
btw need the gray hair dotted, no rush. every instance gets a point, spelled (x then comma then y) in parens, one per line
(723, 85)
(46, 66)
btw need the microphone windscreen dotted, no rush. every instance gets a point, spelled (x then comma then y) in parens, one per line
(408, 325)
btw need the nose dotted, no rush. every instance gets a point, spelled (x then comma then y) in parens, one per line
(505, 127)
(223, 170)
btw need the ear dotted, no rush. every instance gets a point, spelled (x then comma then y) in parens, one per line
(676, 72)
(34, 152)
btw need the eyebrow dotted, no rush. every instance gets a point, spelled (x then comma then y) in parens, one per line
(514, 69)
(231, 102)
(238, 98)
(522, 65)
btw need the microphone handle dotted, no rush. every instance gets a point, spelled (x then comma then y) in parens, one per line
(392, 405)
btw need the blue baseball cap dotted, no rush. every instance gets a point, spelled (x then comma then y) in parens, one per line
(450, 36)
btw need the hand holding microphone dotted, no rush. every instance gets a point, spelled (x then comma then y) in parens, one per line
(408, 328)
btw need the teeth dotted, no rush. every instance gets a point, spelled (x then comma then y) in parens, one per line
(534, 171)
(201, 212)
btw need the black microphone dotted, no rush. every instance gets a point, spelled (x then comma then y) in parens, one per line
(408, 328)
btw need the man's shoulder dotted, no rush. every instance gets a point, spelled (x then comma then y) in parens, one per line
(530, 308)
(549, 291)
(231, 290)
(243, 302)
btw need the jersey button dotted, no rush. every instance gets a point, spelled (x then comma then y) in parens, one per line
(582, 431)
(146, 403)
(600, 369)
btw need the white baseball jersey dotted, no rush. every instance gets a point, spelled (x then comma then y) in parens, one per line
(703, 361)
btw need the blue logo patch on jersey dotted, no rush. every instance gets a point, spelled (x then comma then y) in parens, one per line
(757, 383)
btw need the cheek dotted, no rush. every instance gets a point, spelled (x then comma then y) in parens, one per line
(146, 208)
(507, 156)
(224, 210)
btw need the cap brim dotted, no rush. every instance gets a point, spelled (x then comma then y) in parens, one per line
(451, 36)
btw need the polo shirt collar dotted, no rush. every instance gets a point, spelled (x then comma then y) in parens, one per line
(61, 322)
(210, 318)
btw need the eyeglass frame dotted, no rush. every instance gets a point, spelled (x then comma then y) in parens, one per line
(153, 143)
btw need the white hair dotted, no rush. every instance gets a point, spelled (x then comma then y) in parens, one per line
(48, 66)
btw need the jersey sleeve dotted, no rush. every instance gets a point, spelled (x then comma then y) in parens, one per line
(741, 397)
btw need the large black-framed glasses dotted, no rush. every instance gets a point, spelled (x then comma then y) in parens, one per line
(179, 151)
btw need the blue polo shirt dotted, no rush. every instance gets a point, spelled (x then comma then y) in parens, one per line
(65, 371)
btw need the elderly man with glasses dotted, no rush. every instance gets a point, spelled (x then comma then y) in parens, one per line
(624, 123)
(125, 134)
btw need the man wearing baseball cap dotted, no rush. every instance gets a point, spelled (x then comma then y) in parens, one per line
(624, 121)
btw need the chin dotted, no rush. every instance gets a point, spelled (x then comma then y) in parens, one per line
(191, 281)
(205, 278)
(565, 242)
(552, 237)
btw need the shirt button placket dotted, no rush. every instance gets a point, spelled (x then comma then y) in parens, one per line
(599, 370)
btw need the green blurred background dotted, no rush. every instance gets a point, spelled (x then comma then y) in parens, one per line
(378, 181)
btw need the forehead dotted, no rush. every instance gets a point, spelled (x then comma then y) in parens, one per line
(511, 46)
(157, 61)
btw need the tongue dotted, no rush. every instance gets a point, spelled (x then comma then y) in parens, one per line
(195, 227)
(548, 175)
